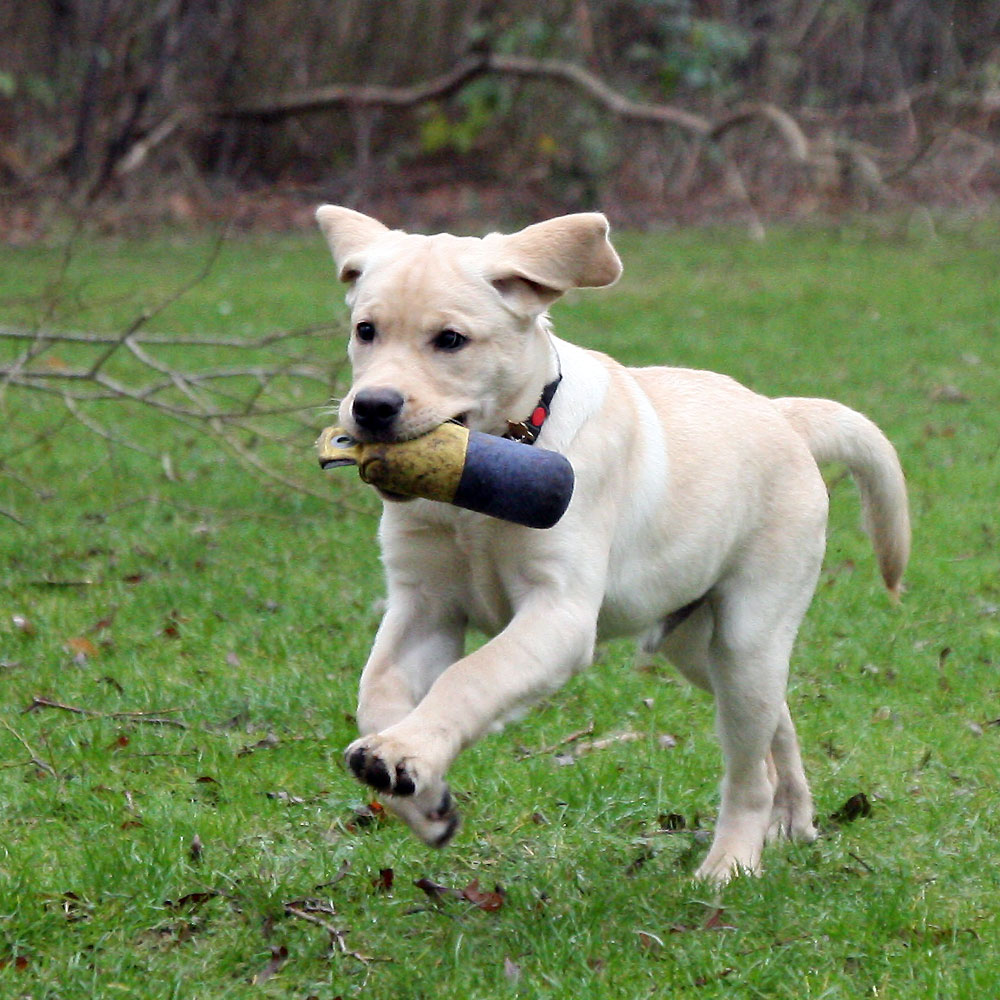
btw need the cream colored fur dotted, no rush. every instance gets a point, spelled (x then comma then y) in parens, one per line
(688, 487)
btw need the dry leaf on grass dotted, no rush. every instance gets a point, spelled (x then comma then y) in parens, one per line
(480, 898)
(81, 648)
(279, 955)
(856, 807)
(385, 880)
(23, 625)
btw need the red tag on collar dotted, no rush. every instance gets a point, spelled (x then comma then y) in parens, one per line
(538, 416)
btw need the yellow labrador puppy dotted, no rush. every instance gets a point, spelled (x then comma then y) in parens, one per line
(697, 522)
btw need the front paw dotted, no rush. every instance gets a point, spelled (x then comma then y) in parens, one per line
(415, 792)
(369, 766)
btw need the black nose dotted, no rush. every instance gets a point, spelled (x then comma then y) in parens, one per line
(375, 409)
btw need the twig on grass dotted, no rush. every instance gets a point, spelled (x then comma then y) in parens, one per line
(524, 753)
(34, 759)
(153, 718)
(10, 515)
(308, 910)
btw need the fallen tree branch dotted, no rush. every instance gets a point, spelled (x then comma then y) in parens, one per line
(153, 718)
(308, 910)
(275, 398)
(171, 339)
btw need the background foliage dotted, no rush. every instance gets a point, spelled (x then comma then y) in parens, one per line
(110, 99)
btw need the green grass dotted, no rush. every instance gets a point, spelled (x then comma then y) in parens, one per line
(244, 611)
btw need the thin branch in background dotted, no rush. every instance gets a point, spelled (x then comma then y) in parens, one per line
(146, 315)
(153, 718)
(231, 405)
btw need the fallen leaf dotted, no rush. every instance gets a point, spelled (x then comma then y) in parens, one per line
(191, 900)
(172, 626)
(487, 901)
(511, 970)
(197, 848)
(435, 891)
(385, 879)
(269, 742)
(345, 867)
(368, 815)
(24, 625)
(649, 941)
(672, 822)
(646, 854)
(72, 906)
(716, 923)
(81, 648)
(721, 974)
(279, 955)
(856, 807)
(238, 721)
(948, 394)
(283, 796)
(323, 906)
(103, 624)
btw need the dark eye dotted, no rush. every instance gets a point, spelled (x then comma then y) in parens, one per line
(450, 340)
(365, 331)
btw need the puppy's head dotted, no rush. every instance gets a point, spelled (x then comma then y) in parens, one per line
(454, 328)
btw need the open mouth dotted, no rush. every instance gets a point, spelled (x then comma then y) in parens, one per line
(462, 419)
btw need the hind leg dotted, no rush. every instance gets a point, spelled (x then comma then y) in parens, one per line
(749, 693)
(792, 811)
(737, 649)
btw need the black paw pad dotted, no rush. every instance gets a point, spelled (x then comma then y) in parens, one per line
(369, 769)
(404, 783)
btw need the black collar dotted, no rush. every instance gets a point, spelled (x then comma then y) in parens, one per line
(527, 431)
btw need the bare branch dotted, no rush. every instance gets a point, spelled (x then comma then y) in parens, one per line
(276, 402)
(357, 95)
(440, 87)
(155, 718)
(172, 339)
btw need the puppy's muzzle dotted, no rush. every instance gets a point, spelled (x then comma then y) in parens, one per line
(375, 410)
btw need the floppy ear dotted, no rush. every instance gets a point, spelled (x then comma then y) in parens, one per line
(349, 234)
(532, 268)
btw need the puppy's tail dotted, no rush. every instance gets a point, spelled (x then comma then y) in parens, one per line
(836, 433)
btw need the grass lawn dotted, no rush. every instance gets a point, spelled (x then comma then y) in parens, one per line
(174, 817)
